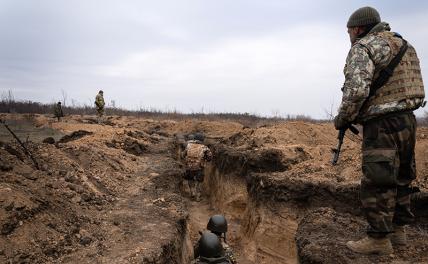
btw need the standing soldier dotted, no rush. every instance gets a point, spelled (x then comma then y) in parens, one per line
(383, 85)
(196, 154)
(99, 103)
(58, 111)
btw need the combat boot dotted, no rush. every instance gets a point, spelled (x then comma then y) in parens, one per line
(399, 236)
(370, 245)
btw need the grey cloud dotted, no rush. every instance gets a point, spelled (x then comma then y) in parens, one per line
(53, 45)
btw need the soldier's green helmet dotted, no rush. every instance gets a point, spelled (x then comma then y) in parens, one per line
(190, 137)
(217, 224)
(199, 136)
(210, 246)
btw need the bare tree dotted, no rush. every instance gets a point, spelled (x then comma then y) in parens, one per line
(329, 112)
(8, 97)
(64, 97)
(74, 103)
(9, 100)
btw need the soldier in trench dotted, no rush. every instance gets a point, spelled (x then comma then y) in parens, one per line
(383, 86)
(195, 156)
(210, 250)
(218, 226)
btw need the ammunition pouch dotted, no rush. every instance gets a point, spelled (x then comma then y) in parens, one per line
(380, 166)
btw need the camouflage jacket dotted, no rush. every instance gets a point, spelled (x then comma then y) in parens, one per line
(58, 111)
(196, 154)
(366, 58)
(229, 252)
(99, 101)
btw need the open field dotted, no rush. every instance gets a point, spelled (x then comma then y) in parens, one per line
(112, 193)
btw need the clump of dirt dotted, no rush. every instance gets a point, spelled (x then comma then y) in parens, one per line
(295, 189)
(49, 140)
(323, 233)
(91, 120)
(256, 160)
(13, 150)
(74, 136)
(4, 166)
(157, 130)
(246, 139)
(131, 146)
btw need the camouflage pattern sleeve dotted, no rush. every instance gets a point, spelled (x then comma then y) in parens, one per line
(359, 71)
(99, 101)
(229, 253)
(208, 156)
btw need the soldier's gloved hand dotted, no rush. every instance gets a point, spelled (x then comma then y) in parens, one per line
(207, 157)
(340, 123)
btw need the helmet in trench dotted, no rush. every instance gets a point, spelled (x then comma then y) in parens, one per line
(210, 246)
(217, 224)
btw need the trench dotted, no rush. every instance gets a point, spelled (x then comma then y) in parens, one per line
(275, 216)
(258, 232)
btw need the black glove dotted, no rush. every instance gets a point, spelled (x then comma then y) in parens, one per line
(207, 157)
(340, 123)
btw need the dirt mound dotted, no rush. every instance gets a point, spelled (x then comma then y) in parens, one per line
(110, 194)
(74, 136)
(49, 140)
(131, 146)
(92, 120)
(257, 159)
(90, 203)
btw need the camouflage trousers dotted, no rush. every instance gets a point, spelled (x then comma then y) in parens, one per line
(388, 169)
(100, 111)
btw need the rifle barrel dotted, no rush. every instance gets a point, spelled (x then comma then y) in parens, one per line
(340, 137)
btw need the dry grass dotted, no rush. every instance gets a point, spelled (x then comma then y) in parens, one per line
(28, 107)
(246, 119)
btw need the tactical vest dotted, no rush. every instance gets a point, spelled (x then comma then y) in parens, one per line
(195, 154)
(406, 80)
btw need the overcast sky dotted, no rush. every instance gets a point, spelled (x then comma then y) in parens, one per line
(263, 57)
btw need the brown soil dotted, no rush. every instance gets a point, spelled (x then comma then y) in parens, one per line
(112, 194)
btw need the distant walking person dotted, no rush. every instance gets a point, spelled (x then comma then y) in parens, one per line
(383, 85)
(58, 111)
(99, 103)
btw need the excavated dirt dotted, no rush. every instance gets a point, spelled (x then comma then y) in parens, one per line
(112, 193)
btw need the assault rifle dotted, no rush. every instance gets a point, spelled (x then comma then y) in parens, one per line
(340, 137)
(26, 151)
